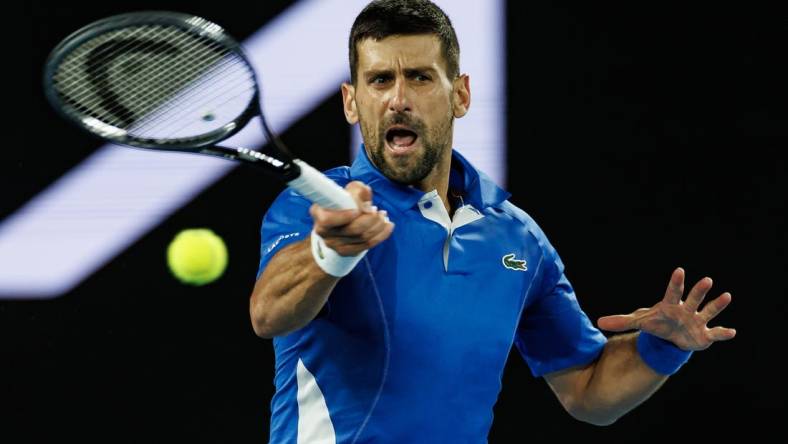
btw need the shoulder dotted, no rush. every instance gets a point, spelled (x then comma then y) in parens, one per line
(529, 225)
(518, 215)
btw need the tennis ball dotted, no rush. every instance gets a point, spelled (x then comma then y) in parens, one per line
(197, 256)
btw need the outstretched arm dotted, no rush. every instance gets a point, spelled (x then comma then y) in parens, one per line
(293, 287)
(624, 375)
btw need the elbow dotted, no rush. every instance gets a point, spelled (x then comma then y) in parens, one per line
(262, 330)
(597, 417)
(590, 409)
(261, 323)
(600, 422)
(260, 327)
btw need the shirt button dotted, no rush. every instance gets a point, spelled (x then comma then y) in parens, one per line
(427, 204)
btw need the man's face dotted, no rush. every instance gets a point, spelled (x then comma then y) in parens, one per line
(405, 104)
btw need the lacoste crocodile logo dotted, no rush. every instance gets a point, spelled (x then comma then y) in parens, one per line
(514, 264)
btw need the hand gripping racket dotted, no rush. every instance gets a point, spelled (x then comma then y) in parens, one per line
(174, 82)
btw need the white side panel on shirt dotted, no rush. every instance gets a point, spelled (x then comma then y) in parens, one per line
(314, 423)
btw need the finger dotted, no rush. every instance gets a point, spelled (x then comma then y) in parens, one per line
(617, 322)
(697, 294)
(353, 249)
(360, 192)
(356, 227)
(713, 308)
(374, 229)
(624, 322)
(326, 218)
(721, 334)
(355, 238)
(382, 235)
(675, 287)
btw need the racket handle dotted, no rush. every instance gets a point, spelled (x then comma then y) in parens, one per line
(321, 190)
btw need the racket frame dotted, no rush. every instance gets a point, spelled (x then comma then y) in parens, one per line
(314, 185)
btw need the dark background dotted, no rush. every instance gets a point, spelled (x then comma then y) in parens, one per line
(640, 138)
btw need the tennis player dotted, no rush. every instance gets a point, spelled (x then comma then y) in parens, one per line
(392, 323)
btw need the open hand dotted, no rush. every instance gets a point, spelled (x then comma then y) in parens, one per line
(675, 320)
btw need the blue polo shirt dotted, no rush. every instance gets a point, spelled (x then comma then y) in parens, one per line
(411, 345)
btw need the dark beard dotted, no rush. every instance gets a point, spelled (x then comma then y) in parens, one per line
(434, 144)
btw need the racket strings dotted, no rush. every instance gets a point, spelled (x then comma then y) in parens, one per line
(133, 41)
(201, 88)
(211, 84)
(146, 89)
(165, 75)
(223, 78)
(141, 95)
(200, 118)
(142, 64)
(91, 93)
(204, 104)
(161, 84)
(200, 98)
(180, 132)
(72, 69)
(127, 108)
(73, 86)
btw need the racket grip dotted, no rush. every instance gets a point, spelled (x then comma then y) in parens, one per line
(318, 188)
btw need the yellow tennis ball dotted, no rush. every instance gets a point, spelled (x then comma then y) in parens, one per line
(197, 256)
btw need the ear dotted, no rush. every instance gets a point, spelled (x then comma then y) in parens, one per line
(461, 95)
(349, 103)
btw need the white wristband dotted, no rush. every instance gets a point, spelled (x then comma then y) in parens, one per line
(330, 261)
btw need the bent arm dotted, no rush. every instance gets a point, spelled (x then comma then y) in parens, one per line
(602, 392)
(621, 379)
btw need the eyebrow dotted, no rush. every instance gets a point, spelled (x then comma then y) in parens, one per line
(420, 69)
(372, 73)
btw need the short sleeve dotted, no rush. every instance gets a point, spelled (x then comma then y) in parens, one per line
(554, 333)
(286, 221)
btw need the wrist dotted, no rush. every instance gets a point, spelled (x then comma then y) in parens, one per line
(329, 260)
(662, 356)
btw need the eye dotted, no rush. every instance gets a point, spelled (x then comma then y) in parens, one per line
(419, 76)
(379, 79)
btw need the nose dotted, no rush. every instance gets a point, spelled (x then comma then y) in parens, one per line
(399, 101)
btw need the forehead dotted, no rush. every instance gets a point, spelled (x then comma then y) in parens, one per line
(400, 51)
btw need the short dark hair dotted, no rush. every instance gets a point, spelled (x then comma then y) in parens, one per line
(385, 18)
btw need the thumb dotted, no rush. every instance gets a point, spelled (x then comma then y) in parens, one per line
(616, 322)
(360, 192)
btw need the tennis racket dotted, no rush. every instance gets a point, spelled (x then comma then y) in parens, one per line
(174, 82)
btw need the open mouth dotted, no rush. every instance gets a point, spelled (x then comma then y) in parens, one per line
(401, 139)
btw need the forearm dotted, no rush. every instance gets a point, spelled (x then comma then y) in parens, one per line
(290, 292)
(618, 382)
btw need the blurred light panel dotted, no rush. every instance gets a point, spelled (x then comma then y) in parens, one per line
(117, 195)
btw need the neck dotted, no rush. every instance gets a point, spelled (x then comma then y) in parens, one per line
(438, 180)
